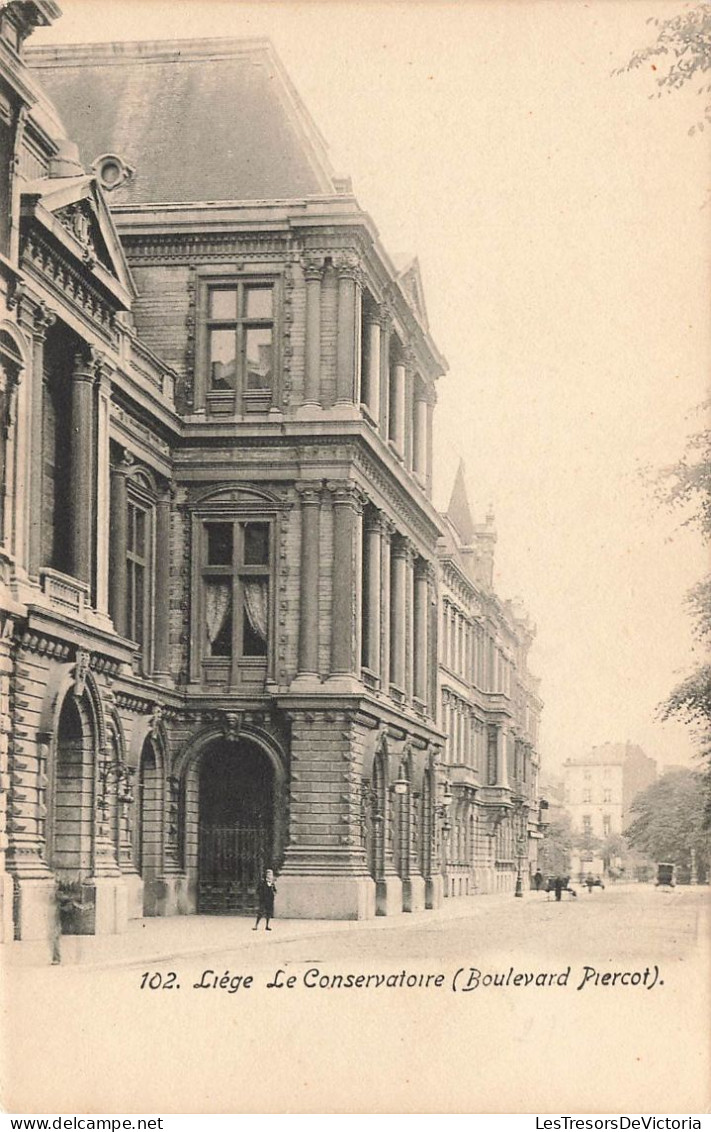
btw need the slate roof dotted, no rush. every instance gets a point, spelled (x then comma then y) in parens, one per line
(459, 511)
(199, 120)
(609, 754)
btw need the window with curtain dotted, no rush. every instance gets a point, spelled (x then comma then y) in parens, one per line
(236, 583)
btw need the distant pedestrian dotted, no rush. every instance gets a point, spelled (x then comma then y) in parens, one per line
(538, 880)
(265, 896)
(590, 882)
(55, 926)
(558, 887)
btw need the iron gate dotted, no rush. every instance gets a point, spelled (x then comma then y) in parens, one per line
(231, 861)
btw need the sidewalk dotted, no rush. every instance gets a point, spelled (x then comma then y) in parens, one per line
(159, 938)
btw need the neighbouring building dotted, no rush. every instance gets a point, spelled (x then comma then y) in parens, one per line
(222, 572)
(600, 787)
(490, 712)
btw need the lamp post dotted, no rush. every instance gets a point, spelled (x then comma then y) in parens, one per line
(441, 811)
(521, 810)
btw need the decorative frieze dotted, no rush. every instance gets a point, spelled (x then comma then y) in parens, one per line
(60, 274)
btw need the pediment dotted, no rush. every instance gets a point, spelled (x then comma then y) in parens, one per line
(236, 496)
(75, 208)
(410, 280)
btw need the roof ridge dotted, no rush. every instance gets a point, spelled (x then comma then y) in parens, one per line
(115, 52)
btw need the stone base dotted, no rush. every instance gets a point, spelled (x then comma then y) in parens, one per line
(104, 908)
(7, 927)
(413, 894)
(325, 898)
(434, 892)
(388, 896)
(35, 908)
(134, 895)
(167, 896)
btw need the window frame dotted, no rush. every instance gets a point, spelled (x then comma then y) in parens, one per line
(139, 496)
(238, 671)
(240, 400)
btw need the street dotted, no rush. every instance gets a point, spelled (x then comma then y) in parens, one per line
(594, 1004)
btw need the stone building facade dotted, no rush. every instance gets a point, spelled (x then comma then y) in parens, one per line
(220, 565)
(600, 787)
(489, 712)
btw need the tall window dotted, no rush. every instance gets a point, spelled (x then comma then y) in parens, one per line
(239, 345)
(235, 585)
(138, 581)
(587, 825)
(606, 825)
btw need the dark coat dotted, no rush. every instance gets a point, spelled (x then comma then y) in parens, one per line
(265, 895)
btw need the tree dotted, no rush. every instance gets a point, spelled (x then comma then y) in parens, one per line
(613, 846)
(686, 485)
(668, 822)
(680, 53)
(556, 847)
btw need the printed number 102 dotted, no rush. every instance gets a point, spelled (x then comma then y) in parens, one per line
(155, 980)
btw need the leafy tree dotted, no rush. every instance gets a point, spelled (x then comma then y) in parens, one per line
(680, 53)
(686, 485)
(668, 821)
(613, 846)
(557, 845)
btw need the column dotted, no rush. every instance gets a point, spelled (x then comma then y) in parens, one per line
(309, 587)
(502, 774)
(431, 401)
(410, 623)
(419, 447)
(162, 586)
(387, 531)
(397, 407)
(421, 634)
(346, 584)
(118, 544)
(42, 321)
(103, 491)
(347, 354)
(81, 492)
(313, 272)
(371, 621)
(398, 613)
(373, 364)
(409, 409)
(384, 373)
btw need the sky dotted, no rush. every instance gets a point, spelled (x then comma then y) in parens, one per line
(561, 219)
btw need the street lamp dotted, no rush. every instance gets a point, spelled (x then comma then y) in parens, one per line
(521, 811)
(520, 849)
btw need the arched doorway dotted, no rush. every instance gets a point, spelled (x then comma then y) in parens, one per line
(236, 826)
(72, 817)
(148, 844)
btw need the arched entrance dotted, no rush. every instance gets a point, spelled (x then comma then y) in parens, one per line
(236, 826)
(148, 845)
(72, 816)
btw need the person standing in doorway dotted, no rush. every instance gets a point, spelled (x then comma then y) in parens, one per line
(265, 896)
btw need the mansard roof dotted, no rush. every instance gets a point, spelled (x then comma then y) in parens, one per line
(198, 120)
